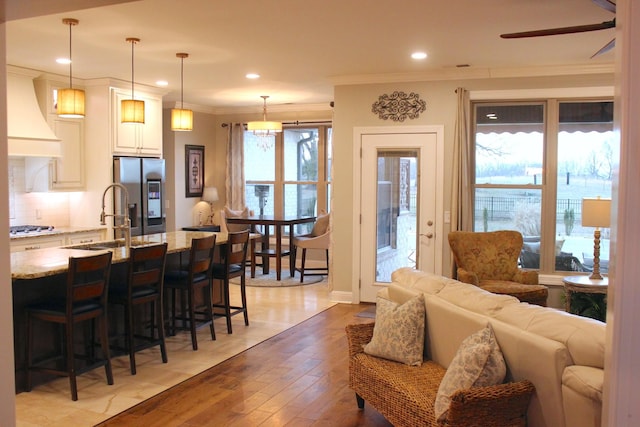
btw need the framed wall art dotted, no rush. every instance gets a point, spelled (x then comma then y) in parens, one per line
(194, 170)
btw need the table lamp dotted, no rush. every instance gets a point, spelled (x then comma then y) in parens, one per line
(596, 213)
(210, 195)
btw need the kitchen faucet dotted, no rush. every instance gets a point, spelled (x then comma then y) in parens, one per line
(125, 227)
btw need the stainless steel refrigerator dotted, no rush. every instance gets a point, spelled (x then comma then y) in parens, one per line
(144, 181)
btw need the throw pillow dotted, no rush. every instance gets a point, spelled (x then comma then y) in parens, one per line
(229, 213)
(321, 225)
(398, 333)
(477, 363)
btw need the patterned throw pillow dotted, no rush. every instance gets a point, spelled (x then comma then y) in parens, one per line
(477, 363)
(398, 333)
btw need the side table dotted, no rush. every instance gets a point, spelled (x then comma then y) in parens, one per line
(582, 284)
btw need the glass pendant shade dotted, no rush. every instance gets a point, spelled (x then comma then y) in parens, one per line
(70, 103)
(181, 119)
(132, 110)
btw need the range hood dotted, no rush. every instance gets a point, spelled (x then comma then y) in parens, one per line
(28, 133)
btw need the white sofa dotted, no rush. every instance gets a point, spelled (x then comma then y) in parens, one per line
(560, 353)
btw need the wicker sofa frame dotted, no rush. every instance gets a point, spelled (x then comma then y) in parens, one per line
(405, 395)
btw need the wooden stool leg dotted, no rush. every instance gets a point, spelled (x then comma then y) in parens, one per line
(304, 256)
(157, 306)
(71, 368)
(192, 316)
(243, 293)
(104, 339)
(128, 316)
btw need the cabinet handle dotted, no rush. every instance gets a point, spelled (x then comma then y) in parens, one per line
(28, 248)
(86, 241)
(54, 171)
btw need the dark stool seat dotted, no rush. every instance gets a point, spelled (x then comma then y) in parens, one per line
(85, 299)
(196, 276)
(145, 278)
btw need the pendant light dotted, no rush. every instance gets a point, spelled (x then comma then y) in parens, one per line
(181, 119)
(264, 127)
(70, 101)
(132, 110)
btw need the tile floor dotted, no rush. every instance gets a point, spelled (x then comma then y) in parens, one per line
(271, 311)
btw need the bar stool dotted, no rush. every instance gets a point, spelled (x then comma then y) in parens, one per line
(234, 257)
(85, 299)
(145, 280)
(196, 276)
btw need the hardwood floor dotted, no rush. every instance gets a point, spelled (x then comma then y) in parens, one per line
(296, 378)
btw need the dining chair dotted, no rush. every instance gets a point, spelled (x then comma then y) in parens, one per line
(318, 238)
(84, 299)
(253, 252)
(144, 286)
(233, 261)
(196, 276)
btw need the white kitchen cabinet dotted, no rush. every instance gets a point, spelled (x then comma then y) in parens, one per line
(143, 139)
(86, 237)
(67, 172)
(29, 243)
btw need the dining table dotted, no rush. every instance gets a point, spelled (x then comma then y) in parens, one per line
(278, 222)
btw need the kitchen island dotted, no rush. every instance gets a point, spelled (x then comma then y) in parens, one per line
(45, 262)
(41, 274)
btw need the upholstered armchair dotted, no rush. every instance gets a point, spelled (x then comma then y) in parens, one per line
(489, 260)
(319, 238)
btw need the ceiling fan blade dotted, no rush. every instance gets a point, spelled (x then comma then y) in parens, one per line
(605, 48)
(562, 30)
(606, 5)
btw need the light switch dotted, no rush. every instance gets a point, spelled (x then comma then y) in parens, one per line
(447, 217)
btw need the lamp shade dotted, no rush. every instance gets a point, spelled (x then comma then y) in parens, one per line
(131, 111)
(181, 119)
(264, 127)
(596, 212)
(70, 103)
(210, 194)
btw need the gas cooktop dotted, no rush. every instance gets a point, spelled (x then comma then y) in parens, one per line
(15, 229)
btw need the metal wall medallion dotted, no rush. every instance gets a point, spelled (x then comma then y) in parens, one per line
(398, 106)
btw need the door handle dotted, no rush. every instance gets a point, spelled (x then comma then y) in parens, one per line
(427, 235)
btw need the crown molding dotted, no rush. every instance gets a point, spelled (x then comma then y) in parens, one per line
(474, 73)
(275, 108)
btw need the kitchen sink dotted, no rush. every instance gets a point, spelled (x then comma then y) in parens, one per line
(100, 246)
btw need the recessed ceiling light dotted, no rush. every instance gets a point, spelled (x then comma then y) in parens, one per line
(252, 76)
(418, 55)
(64, 61)
(162, 83)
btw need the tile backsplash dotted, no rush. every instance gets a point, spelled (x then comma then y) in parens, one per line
(37, 208)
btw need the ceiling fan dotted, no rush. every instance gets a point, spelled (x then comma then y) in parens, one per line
(605, 4)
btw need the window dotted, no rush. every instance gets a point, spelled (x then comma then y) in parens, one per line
(288, 174)
(534, 163)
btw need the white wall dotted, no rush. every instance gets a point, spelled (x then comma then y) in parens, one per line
(183, 211)
(353, 108)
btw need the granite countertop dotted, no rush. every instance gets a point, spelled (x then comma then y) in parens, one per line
(55, 232)
(50, 261)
